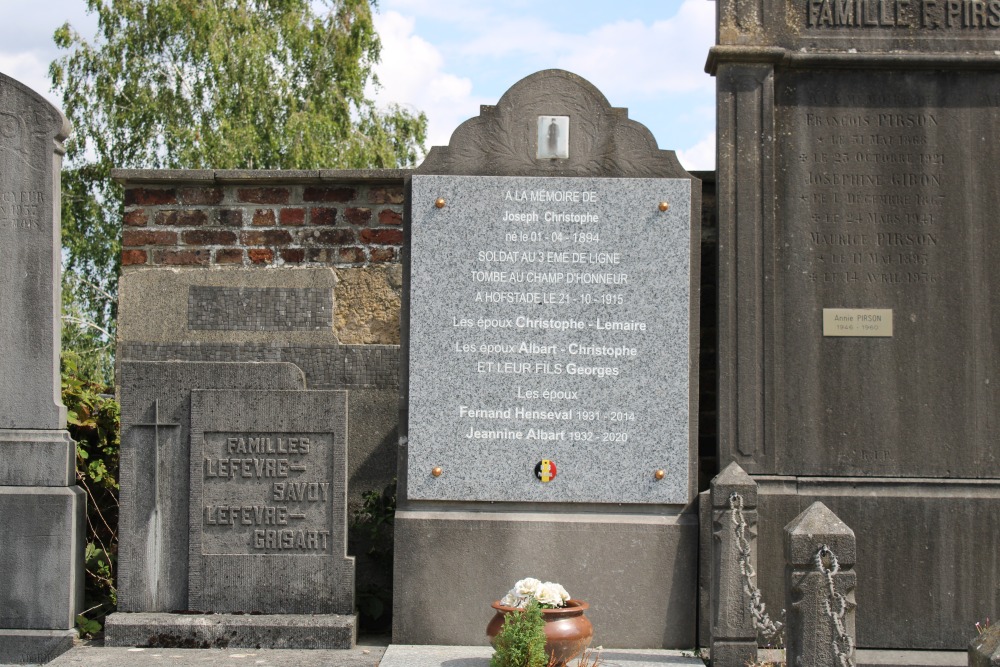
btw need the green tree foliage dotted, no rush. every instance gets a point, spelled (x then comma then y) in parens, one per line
(93, 421)
(370, 539)
(212, 84)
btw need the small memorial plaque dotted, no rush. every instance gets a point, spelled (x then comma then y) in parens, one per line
(861, 322)
(549, 321)
(269, 502)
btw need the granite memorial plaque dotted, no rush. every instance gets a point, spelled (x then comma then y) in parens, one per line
(550, 379)
(549, 349)
(269, 502)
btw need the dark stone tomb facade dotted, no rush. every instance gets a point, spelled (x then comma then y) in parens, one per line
(859, 316)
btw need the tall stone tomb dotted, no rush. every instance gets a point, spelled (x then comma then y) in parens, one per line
(549, 379)
(41, 533)
(859, 312)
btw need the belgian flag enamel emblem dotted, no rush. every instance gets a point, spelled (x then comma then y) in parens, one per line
(545, 470)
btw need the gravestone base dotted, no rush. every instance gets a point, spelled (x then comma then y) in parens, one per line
(291, 631)
(37, 457)
(41, 547)
(638, 572)
(921, 545)
(24, 647)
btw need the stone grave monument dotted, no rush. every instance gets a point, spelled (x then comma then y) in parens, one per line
(250, 302)
(233, 502)
(549, 377)
(42, 530)
(859, 319)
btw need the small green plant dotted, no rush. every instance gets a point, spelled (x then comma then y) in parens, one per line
(370, 535)
(521, 640)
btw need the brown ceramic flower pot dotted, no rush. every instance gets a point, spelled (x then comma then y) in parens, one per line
(567, 631)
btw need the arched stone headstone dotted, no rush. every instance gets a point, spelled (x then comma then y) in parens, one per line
(515, 463)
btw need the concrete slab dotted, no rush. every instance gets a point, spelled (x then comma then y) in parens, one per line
(20, 647)
(82, 656)
(230, 631)
(408, 655)
(886, 658)
(661, 575)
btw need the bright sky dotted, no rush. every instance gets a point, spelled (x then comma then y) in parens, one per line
(446, 57)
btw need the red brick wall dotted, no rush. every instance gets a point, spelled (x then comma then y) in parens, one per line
(261, 218)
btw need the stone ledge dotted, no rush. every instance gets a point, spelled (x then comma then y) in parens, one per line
(37, 458)
(886, 658)
(162, 630)
(21, 647)
(779, 56)
(231, 176)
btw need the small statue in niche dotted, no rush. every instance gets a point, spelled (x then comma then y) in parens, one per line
(553, 137)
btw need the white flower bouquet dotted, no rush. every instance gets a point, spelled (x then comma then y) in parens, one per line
(548, 594)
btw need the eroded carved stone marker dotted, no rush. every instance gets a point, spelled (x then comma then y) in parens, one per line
(269, 502)
(550, 321)
(155, 471)
(233, 502)
(41, 532)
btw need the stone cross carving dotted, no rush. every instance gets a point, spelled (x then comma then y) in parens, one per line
(156, 425)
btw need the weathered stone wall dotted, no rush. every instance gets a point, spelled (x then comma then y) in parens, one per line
(347, 220)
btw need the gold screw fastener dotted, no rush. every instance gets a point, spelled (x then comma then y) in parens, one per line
(664, 206)
(439, 202)
(660, 474)
(437, 471)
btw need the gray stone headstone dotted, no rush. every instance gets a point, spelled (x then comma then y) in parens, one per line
(42, 532)
(268, 510)
(31, 134)
(155, 470)
(552, 131)
(550, 329)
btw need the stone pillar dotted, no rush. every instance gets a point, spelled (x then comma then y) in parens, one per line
(42, 530)
(811, 636)
(734, 638)
(984, 651)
